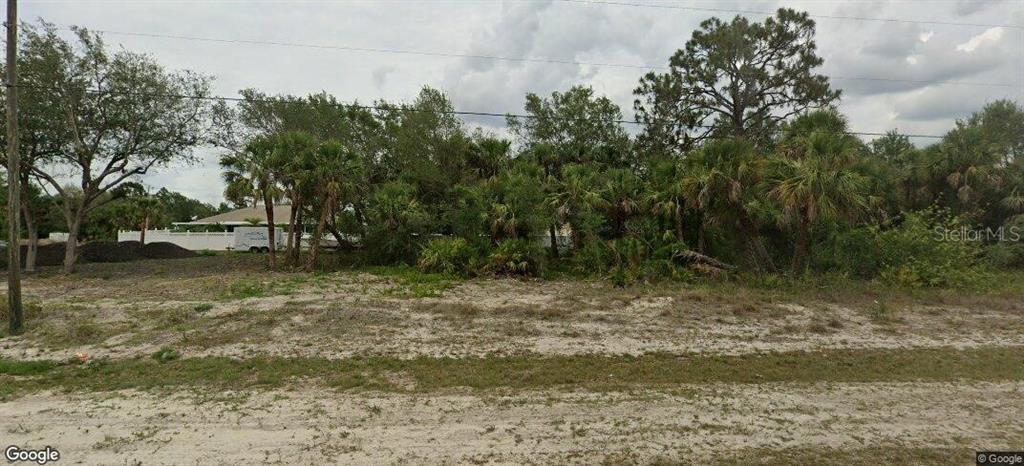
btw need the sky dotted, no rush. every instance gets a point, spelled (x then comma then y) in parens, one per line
(921, 74)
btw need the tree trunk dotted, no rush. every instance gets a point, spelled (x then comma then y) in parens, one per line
(801, 247)
(71, 247)
(337, 234)
(142, 234)
(33, 238)
(314, 247)
(291, 232)
(755, 243)
(678, 217)
(268, 203)
(554, 240)
(701, 235)
(760, 251)
(300, 229)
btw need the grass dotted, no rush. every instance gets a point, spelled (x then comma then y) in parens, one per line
(411, 283)
(590, 372)
(23, 368)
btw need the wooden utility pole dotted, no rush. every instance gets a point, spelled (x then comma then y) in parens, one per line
(13, 175)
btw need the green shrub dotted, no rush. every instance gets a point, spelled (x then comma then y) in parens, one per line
(1005, 255)
(396, 220)
(1008, 252)
(448, 256)
(916, 253)
(628, 255)
(516, 257)
(166, 354)
(592, 258)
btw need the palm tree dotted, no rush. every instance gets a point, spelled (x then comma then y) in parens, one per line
(574, 196)
(815, 177)
(394, 216)
(667, 197)
(619, 197)
(337, 173)
(294, 157)
(147, 209)
(250, 174)
(719, 181)
(489, 156)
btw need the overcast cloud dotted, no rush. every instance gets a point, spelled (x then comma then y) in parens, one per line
(902, 61)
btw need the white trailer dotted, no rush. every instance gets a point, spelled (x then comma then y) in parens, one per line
(254, 239)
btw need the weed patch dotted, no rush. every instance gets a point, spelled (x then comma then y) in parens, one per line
(522, 372)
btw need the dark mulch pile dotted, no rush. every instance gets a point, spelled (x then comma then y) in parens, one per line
(109, 251)
(50, 254)
(105, 251)
(165, 250)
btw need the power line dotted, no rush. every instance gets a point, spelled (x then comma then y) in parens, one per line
(547, 60)
(770, 13)
(593, 2)
(398, 108)
(376, 50)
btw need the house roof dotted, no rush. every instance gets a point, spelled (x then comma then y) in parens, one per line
(242, 216)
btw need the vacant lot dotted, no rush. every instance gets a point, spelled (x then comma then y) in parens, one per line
(216, 360)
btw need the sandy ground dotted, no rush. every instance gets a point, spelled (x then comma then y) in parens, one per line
(343, 315)
(199, 311)
(691, 424)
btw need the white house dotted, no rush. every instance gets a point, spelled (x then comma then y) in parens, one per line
(212, 240)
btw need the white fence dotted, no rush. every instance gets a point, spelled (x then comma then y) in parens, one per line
(196, 241)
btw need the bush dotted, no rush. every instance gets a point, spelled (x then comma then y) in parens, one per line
(516, 257)
(592, 258)
(628, 255)
(915, 253)
(396, 220)
(1009, 251)
(166, 354)
(447, 255)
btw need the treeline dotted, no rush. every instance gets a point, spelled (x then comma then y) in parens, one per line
(739, 162)
(419, 188)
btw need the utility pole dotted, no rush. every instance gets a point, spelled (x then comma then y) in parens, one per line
(13, 169)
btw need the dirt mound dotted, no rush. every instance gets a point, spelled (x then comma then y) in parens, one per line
(109, 251)
(164, 250)
(46, 254)
(104, 251)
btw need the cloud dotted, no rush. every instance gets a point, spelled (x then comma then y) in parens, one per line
(903, 61)
(894, 40)
(990, 36)
(945, 104)
(970, 7)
